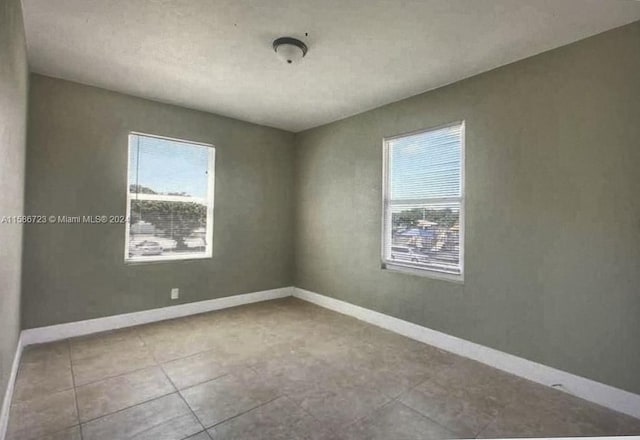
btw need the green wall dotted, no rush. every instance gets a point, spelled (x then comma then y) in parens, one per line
(552, 256)
(77, 165)
(14, 78)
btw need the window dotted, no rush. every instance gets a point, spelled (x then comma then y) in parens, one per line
(169, 199)
(424, 202)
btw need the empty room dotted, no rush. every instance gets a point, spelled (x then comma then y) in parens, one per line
(319, 220)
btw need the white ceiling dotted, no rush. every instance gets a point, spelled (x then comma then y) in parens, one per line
(216, 55)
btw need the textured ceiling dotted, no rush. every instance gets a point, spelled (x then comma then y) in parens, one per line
(216, 55)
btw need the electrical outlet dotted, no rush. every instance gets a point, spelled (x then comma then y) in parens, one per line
(175, 293)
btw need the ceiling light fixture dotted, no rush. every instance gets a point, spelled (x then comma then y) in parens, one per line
(290, 50)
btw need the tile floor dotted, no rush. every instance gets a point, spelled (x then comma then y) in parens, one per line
(282, 369)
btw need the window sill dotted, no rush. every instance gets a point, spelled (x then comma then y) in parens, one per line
(165, 259)
(426, 273)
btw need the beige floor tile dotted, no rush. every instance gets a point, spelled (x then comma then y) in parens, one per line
(377, 339)
(458, 409)
(299, 335)
(280, 419)
(230, 320)
(338, 397)
(520, 422)
(273, 369)
(464, 395)
(43, 376)
(197, 369)
(50, 352)
(44, 369)
(331, 325)
(391, 369)
(593, 418)
(497, 387)
(607, 421)
(289, 370)
(165, 418)
(398, 422)
(107, 396)
(549, 413)
(240, 345)
(33, 419)
(111, 363)
(228, 396)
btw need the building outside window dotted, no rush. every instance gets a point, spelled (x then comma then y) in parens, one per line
(424, 202)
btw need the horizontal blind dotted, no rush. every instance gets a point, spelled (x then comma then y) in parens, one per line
(424, 200)
(169, 197)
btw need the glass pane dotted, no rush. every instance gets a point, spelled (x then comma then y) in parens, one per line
(161, 166)
(163, 228)
(426, 236)
(426, 165)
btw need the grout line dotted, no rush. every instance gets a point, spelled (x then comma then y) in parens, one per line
(116, 376)
(203, 382)
(245, 412)
(75, 393)
(160, 423)
(307, 412)
(156, 364)
(397, 399)
(22, 401)
(127, 407)
(211, 380)
(183, 399)
(198, 433)
(370, 413)
(484, 428)
(144, 344)
(149, 348)
(112, 376)
(208, 350)
(388, 400)
(178, 391)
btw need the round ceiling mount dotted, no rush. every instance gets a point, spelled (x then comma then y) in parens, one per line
(290, 50)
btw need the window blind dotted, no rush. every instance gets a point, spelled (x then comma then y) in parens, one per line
(424, 200)
(169, 199)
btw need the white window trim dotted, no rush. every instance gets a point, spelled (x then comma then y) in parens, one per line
(386, 213)
(211, 200)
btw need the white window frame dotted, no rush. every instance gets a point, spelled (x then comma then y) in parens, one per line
(388, 264)
(208, 253)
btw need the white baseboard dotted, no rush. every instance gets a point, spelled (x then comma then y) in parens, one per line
(80, 328)
(8, 395)
(605, 395)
